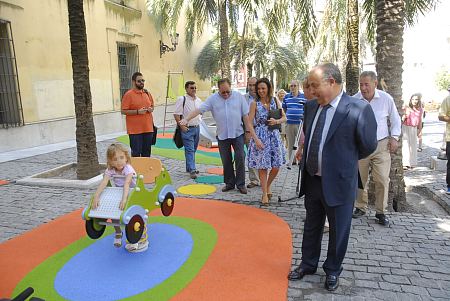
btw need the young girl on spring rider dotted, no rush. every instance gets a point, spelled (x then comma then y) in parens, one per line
(121, 173)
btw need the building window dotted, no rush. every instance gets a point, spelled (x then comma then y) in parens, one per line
(128, 64)
(11, 114)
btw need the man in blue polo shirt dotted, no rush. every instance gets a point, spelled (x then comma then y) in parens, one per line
(293, 107)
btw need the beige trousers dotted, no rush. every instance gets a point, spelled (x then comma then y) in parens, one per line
(409, 145)
(379, 163)
(291, 134)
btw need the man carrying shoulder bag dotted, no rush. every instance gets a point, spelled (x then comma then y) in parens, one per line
(190, 133)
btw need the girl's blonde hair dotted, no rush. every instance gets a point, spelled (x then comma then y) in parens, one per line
(281, 91)
(112, 150)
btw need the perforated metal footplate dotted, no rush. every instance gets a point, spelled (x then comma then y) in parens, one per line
(109, 204)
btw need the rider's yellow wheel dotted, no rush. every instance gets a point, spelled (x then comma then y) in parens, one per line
(137, 226)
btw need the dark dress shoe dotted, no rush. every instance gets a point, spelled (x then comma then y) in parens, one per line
(299, 273)
(251, 185)
(242, 190)
(332, 282)
(382, 219)
(358, 213)
(227, 188)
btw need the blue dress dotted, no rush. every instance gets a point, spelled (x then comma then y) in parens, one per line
(274, 153)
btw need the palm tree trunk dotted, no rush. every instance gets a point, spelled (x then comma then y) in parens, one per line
(224, 40)
(272, 76)
(249, 70)
(87, 159)
(352, 69)
(389, 61)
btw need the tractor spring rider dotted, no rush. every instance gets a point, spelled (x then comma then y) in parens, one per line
(140, 202)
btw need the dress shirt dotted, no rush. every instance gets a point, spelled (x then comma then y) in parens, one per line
(249, 98)
(190, 105)
(384, 108)
(330, 114)
(445, 111)
(227, 113)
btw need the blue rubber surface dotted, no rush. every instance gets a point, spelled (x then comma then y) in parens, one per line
(103, 272)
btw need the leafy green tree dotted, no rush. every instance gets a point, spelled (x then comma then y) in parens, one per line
(225, 14)
(198, 14)
(443, 79)
(207, 64)
(269, 60)
(352, 68)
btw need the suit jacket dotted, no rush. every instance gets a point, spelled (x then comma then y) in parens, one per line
(352, 136)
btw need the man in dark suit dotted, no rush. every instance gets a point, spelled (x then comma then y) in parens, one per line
(339, 130)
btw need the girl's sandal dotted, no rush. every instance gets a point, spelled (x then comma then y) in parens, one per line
(118, 240)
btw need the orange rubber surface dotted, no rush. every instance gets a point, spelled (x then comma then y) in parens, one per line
(250, 261)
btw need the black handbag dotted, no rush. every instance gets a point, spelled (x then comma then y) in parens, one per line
(177, 139)
(275, 114)
(155, 133)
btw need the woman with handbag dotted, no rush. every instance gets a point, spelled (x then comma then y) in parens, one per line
(412, 129)
(266, 149)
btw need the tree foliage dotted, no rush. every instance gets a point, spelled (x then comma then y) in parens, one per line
(443, 79)
(207, 63)
(295, 17)
(412, 8)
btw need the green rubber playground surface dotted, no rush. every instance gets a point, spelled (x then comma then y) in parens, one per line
(165, 147)
(209, 179)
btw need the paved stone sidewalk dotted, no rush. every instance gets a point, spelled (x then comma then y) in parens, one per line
(409, 260)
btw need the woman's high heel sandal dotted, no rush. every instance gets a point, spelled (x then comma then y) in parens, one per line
(269, 196)
(265, 200)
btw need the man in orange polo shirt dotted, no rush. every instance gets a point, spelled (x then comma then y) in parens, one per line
(137, 106)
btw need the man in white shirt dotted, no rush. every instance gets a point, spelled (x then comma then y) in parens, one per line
(380, 161)
(190, 133)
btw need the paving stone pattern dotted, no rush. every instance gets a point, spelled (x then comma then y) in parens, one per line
(409, 260)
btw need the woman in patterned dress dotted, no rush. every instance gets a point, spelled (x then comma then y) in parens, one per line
(266, 149)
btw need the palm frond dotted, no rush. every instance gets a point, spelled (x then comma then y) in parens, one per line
(207, 63)
(414, 8)
(305, 23)
(160, 11)
(233, 17)
(275, 20)
(332, 33)
(369, 16)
